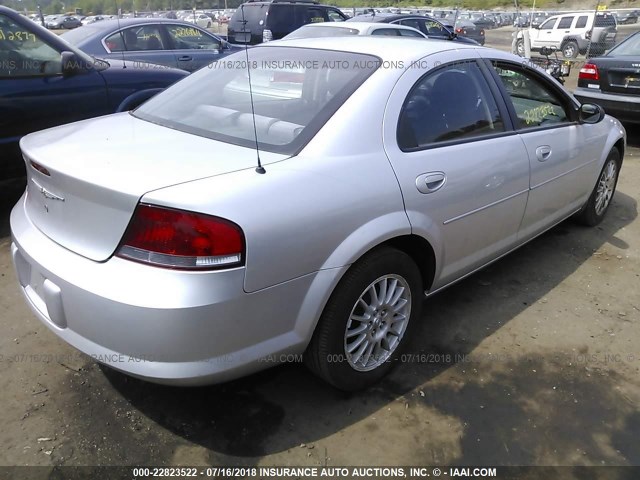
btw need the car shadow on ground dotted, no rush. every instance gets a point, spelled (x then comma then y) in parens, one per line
(11, 192)
(495, 412)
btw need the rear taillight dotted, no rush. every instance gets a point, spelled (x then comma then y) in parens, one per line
(589, 72)
(267, 36)
(171, 238)
(458, 30)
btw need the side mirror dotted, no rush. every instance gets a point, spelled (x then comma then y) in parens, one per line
(590, 113)
(71, 64)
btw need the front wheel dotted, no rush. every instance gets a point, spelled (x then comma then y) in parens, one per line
(596, 207)
(364, 324)
(520, 47)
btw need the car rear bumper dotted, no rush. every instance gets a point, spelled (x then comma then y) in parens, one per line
(166, 326)
(625, 108)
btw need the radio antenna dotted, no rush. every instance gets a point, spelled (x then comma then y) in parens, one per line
(259, 169)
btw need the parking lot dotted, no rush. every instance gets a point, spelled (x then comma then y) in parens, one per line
(533, 361)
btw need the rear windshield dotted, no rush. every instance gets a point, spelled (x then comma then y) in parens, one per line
(252, 14)
(629, 48)
(294, 91)
(316, 32)
(605, 20)
(77, 35)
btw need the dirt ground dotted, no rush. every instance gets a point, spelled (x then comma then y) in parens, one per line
(533, 361)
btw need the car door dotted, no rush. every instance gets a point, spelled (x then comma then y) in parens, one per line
(34, 93)
(543, 36)
(141, 43)
(463, 172)
(563, 154)
(193, 47)
(561, 30)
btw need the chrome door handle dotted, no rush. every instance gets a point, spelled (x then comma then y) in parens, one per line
(430, 182)
(543, 153)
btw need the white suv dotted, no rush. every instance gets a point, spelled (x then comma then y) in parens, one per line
(572, 32)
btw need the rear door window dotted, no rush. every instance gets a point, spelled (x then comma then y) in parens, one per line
(135, 39)
(565, 22)
(451, 103)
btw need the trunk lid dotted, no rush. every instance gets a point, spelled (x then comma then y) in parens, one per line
(100, 168)
(619, 74)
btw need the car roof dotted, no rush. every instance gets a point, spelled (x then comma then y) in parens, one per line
(286, 2)
(387, 17)
(105, 25)
(413, 48)
(356, 25)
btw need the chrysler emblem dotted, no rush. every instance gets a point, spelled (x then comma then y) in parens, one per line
(46, 193)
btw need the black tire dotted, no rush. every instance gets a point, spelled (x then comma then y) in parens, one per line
(209, 25)
(326, 354)
(520, 47)
(570, 49)
(591, 215)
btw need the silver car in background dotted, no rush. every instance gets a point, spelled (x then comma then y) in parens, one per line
(300, 197)
(344, 29)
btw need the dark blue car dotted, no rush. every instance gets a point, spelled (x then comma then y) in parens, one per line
(162, 41)
(44, 81)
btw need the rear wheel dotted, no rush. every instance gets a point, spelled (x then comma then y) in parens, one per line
(596, 207)
(570, 49)
(364, 324)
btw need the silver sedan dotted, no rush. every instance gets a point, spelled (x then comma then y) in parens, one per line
(299, 199)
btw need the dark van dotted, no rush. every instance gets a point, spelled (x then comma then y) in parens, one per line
(262, 21)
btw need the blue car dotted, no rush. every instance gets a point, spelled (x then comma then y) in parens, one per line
(162, 41)
(44, 82)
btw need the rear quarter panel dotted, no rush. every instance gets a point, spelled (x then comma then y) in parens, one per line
(319, 210)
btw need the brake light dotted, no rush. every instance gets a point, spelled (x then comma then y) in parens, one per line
(458, 30)
(589, 72)
(171, 238)
(267, 36)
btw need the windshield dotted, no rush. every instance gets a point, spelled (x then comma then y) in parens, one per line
(294, 90)
(629, 48)
(23, 52)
